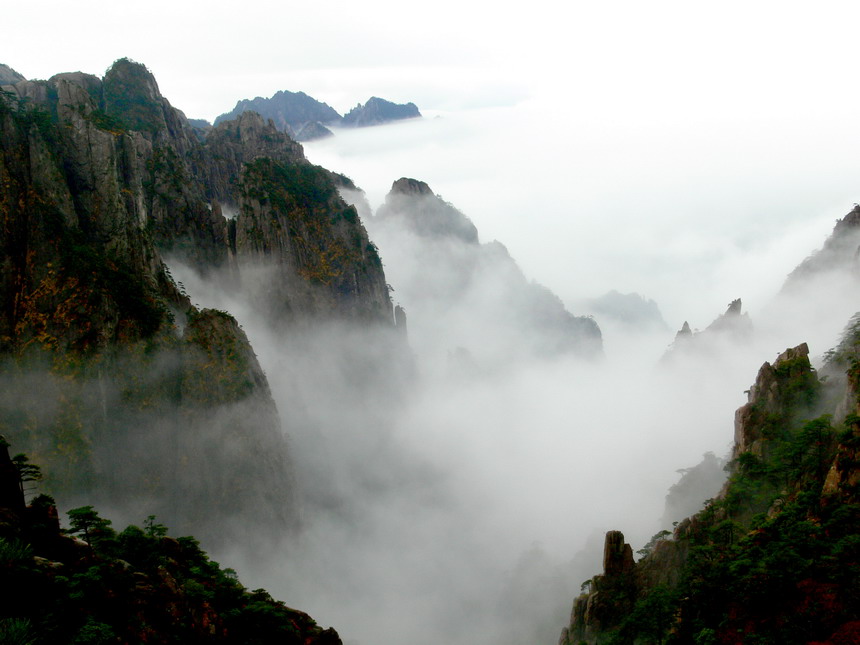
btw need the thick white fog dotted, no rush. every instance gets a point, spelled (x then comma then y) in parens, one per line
(460, 513)
(681, 215)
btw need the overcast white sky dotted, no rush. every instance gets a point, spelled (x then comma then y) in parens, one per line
(666, 58)
(690, 143)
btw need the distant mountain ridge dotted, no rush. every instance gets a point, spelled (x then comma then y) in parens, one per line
(290, 111)
(378, 111)
(304, 118)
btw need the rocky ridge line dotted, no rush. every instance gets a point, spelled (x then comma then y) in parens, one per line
(659, 597)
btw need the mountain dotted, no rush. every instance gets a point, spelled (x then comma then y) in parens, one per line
(136, 586)
(773, 558)
(312, 131)
(425, 215)
(290, 111)
(448, 280)
(131, 396)
(733, 327)
(378, 111)
(9, 75)
(838, 256)
(305, 119)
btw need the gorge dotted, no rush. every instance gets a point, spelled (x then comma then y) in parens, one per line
(198, 326)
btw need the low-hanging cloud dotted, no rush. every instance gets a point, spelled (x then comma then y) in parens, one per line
(433, 496)
(432, 499)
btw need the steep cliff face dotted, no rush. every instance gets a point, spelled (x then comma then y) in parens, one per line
(100, 350)
(782, 393)
(127, 393)
(773, 557)
(315, 256)
(609, 596)
(241, 202)
(475, 291)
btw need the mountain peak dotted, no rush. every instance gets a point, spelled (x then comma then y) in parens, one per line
(407, 186)
(9, 76)
(413, 202)
(378, 111)
(290, 111)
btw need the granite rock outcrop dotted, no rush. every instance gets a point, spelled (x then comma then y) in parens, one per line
(126, 392)
(792, 493)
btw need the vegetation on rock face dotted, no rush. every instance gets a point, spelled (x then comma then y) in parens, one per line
(291, 215)
(129, 97)
(775, 558)
(135, 586)
(104, 360)
(26, 115)
(289, 185)
(95, 372)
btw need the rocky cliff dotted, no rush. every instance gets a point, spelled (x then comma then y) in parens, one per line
(112, 379)
(773, 557)
(476, 292)
(9, 75)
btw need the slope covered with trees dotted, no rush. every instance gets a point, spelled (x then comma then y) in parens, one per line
(775, 556)
(92, 584)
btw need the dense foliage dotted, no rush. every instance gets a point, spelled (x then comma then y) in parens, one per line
(129, 97)
(135, 586)
(300, 201)
(289, 185)
(775, 558)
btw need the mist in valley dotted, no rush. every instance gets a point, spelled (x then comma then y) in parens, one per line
(457, 488)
